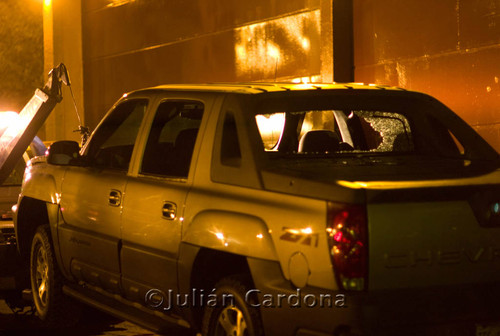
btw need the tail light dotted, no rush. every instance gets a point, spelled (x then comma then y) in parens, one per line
(347, 231)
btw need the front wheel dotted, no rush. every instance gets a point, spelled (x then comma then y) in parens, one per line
(232, 316)
(52, 306)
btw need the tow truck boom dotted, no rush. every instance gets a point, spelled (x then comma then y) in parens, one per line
(17, 137)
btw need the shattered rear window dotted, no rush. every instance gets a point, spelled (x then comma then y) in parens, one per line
(392, 130)
(365, 134)
(335, 132)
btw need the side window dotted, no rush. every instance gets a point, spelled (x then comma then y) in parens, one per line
(112, 144)
(172, 138)
(233, 160)
(230, 153)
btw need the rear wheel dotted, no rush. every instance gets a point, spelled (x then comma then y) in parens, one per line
(233, 315)
(52, 306)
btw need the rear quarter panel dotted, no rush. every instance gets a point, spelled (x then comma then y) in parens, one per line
(256, 223)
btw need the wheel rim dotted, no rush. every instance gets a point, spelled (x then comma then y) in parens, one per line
(41, 275)
(231, 322)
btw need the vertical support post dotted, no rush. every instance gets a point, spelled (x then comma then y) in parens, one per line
(63, 44)
(326, 41)
(343, 40)
(48, 55)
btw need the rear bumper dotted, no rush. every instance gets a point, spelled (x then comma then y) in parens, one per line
(424, 311)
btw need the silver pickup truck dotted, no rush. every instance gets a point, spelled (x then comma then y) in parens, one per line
(277, 209)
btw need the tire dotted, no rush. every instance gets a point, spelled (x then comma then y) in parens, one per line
(52, 307)
(232, 317)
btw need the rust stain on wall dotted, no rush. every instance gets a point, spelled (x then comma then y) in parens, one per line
(268, 50)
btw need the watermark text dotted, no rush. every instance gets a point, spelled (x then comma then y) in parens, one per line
(256, 298)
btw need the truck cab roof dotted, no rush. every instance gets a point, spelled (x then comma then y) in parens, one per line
(256, 88)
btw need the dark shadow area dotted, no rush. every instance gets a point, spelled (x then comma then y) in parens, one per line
(92, 323)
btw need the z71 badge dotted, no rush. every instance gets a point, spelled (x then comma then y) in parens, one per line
(300, 236)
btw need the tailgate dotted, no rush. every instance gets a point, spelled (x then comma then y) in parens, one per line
(434, 236)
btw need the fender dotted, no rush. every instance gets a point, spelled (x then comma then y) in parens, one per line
(231, 232)
(43, 182)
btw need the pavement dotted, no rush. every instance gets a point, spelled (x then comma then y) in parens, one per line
(93, 324)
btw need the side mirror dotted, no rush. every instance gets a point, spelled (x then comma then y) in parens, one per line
(61, 153)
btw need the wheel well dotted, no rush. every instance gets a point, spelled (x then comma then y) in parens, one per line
(30, 214)
(211, 266)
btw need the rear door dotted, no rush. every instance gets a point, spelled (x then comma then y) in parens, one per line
(92, 198)
(155, 198)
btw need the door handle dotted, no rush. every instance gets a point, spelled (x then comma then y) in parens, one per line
(115, 198)
(169, 210)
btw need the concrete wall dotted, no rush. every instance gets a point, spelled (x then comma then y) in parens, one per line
(137, 43)
(448, 48)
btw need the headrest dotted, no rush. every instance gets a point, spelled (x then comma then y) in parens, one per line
(319, 141)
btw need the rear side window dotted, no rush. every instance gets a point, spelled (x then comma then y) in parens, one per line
(230, 154)
(171, 141)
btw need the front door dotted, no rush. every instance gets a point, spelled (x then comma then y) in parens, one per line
(92, 198)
